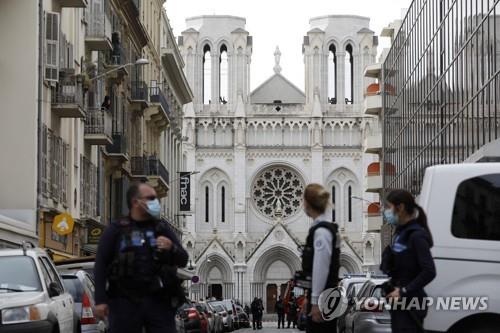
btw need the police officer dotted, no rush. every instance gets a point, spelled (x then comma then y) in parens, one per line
(137, 259)
(320, 257)
(408, 261)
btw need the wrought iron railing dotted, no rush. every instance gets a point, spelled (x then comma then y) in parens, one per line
(149, 166)
(98, 22)
(119, 145)
(139, 91)
(158, 96)
(69, 90)
(98, 121)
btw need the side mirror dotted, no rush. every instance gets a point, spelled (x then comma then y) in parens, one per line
(54, 289)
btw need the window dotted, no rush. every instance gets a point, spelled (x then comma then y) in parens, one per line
(223, 203)
(223, 75)
(207, 204)
(476, 213)
(349, 212)
(19, 273)
(349, 75)
(207, 74)
(332, 75)
(333, 203)
(51, 46)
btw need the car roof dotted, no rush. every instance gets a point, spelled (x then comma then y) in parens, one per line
(32, 252)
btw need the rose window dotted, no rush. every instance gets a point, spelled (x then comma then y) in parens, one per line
(278, 188)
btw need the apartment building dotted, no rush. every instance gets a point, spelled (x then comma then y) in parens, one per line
(89, 127)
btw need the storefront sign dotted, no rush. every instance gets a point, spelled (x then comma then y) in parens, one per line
(94, 233)
(185, 191)
(63, 224)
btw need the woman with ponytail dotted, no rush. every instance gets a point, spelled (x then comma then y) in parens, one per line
(408, 261)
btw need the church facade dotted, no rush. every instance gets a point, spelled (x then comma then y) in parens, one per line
(254, 151)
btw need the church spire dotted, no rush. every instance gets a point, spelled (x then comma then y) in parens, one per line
(277, 57)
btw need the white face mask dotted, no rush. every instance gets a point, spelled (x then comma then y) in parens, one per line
(153, 208)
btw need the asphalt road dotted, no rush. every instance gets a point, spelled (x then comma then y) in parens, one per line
(269, 327)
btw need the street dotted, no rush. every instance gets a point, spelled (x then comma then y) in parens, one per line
(270, 327)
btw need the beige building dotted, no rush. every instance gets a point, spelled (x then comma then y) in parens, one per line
(90, 124)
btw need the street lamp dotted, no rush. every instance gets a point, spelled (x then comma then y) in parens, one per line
(138, 62)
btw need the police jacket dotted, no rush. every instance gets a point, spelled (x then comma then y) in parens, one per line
(408, 261)
(128, 261)
(321, 256)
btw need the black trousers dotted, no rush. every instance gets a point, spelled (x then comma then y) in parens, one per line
(281, 320)
(323, 327)
(149, 313)
(256, 320)
(292, 319)
(406, 322)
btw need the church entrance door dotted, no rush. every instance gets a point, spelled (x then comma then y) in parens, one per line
(271, 296)
(215, 291)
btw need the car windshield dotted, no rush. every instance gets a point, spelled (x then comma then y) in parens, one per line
(18, 274)
(74, 287)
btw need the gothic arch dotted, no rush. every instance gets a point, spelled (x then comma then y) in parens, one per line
(350, 264)
(216, 260)
(275, 253)
(203, 43)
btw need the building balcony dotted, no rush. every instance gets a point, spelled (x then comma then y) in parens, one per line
(118, 148)
(68, 99)
(374, 222)
(98, 127)
(98, 33)
(373, 105)
(373, 71)
(373, 143)
(139, 95)
(151, 170)
(73, 3)
(159, 112)
(115, 63)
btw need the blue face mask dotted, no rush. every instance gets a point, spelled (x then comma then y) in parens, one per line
(390, 217)
(153, 208)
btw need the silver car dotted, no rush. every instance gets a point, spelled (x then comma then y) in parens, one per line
(81, 286)
(371, 316)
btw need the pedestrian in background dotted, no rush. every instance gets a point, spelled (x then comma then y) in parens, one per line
(408, 261)
(279, 307)
(254, 306)
(320, 256)
(137, 259)
(261, 312)
(292, 312)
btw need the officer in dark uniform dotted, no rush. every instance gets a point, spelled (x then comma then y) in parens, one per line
(320, 256)
(135, 268)
(408, 261)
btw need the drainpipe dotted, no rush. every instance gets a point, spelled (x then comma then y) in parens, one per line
(39, 115)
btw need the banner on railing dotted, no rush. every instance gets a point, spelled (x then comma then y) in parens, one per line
(185, 191)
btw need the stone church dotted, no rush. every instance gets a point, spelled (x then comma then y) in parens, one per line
(254, 151)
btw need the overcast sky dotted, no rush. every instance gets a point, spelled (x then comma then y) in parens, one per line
(283, 23)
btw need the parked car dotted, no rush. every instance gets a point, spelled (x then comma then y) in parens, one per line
(81, 286)
(193, 321)
(352, 284)
(231, 311)
(462, 205)
(372, 316)
(243, 320)
(32, 295)
(217, 317)
(227, 319)
(179, 323)
(76, 264)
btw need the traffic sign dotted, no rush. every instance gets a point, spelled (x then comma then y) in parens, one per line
(195, 288)
(195, 279)
(63, 224)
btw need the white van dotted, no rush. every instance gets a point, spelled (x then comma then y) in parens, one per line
(463, 208)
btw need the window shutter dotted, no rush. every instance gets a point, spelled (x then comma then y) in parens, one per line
(51, 46)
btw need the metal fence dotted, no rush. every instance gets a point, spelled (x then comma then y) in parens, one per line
(149, 166)
(442, 87)
(98, 121)
(88, 189)
(158, 96)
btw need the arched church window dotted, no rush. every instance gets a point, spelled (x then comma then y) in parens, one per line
(349, 75)
(207, 204)
(207, 74)
(223, 204)
(223, 75)
(349, 208)
(333, 203)
(332, 75)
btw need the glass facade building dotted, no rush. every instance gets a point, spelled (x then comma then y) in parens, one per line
(441, 83)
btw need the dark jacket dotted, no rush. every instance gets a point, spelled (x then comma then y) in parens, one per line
(409, 261)
(110, 248)
(279, 307)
